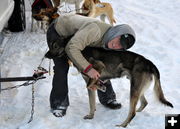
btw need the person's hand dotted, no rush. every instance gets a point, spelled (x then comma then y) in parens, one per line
(92, 73)
(93, 87)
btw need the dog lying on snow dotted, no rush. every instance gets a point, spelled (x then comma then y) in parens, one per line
(95, 8)
(114, 64)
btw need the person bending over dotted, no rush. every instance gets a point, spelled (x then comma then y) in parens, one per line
(74, 33)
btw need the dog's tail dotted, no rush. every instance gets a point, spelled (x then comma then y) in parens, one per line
(157, 84)
(159, 92)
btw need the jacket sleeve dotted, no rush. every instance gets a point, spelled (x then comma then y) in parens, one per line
(82, 38)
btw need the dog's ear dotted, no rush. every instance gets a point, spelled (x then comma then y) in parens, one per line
(97, 1)
(55, 9)
(91, 60)
(86, 4)
(97, 64)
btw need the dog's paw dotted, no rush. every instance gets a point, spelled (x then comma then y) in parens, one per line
(122, 125)
(91, 116)
(139, 110)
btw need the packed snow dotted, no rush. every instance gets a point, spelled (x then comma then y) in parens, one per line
(157, 27)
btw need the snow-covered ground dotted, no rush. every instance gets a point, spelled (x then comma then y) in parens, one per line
(157, 26)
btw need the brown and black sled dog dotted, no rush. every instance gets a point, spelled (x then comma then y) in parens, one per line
(139, 70)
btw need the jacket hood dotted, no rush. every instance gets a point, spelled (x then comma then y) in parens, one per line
(118, 30)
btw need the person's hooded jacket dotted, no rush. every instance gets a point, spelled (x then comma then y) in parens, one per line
(87, 32)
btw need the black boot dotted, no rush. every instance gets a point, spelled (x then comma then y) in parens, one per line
(59, 112)
(108, 98)
(113, 104)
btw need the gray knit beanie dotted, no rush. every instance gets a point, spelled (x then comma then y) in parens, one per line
(127, 34)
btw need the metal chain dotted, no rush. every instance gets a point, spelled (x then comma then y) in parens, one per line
(32, 104)
(43, 58)
(27, 84)
(33, 97)
(33, 91)
(17, 86)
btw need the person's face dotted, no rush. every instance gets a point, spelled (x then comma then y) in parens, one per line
(115, 43)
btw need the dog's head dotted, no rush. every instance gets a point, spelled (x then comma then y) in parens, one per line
(47, 14)
(96, 1)
(87, 6)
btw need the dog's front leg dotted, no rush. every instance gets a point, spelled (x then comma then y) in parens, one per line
(77, 6)
(32, 24)
(44, 26)
(92, 104)
(102, 17)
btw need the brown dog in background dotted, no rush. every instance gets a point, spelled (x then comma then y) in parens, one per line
(95, 8)
(45, 17)
(47, 14)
